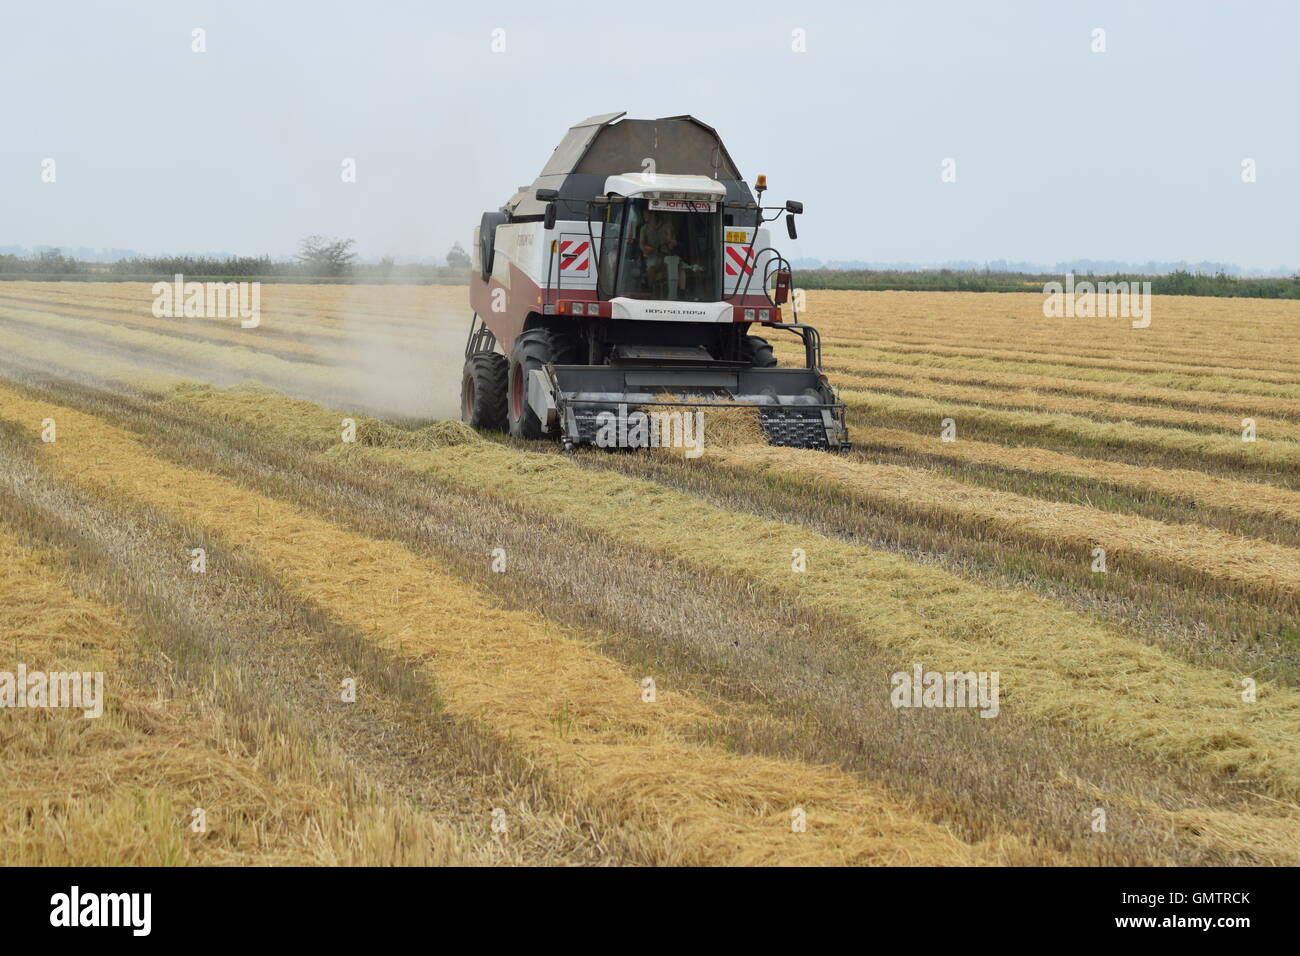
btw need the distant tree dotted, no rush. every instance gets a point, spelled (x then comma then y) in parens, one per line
(326, 257)
(458, 258)
(385, 267)
(54, 262)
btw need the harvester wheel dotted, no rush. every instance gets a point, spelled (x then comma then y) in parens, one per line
(483, 391)
(757, 352)
(532, 350)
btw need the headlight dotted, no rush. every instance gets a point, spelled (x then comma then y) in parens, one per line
(764, 315)
(579, 309)
(749, 315)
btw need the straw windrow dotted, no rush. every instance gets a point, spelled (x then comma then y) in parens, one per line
(571, 707)
(1063, 667)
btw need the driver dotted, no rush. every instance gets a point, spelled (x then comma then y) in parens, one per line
(659, 245)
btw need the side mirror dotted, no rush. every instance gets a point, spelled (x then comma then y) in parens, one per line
(781, 292)
(547, 195)
(789, 226)
(793, 206)
(549, 221)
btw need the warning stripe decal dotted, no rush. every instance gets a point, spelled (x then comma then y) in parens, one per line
(739, 258)
(574, 251)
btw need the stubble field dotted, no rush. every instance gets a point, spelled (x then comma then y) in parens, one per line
(635, 658)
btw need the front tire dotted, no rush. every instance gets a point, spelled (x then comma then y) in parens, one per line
(757, 352)
(483, 391)
(533, 349)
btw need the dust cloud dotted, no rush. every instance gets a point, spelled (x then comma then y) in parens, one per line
(390, 351)
(395, 376)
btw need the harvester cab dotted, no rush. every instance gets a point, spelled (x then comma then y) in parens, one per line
(611, 286)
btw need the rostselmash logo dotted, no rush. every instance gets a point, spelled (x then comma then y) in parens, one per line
(946, 689)
(103, 909)
(654, 311)
(675, 429)
(1100, 300)
(208, 300)
(25, 688)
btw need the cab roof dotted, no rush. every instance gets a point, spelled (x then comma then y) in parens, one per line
(659, 185)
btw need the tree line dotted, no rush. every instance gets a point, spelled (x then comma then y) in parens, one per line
(318, 257)
(1179, 282)
(324, 258)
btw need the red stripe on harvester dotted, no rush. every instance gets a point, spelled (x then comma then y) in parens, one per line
(741, 260)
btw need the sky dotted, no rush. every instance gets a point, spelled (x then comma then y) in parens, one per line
(1060, 150)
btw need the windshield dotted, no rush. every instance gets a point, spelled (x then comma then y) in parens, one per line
(663, 249)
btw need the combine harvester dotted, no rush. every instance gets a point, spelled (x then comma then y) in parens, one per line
(629, 276)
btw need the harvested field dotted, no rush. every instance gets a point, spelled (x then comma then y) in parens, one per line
(122, 789)
(644, 658)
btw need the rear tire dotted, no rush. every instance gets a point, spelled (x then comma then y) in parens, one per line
(534, 349)
(757, 352)
(483, 391)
